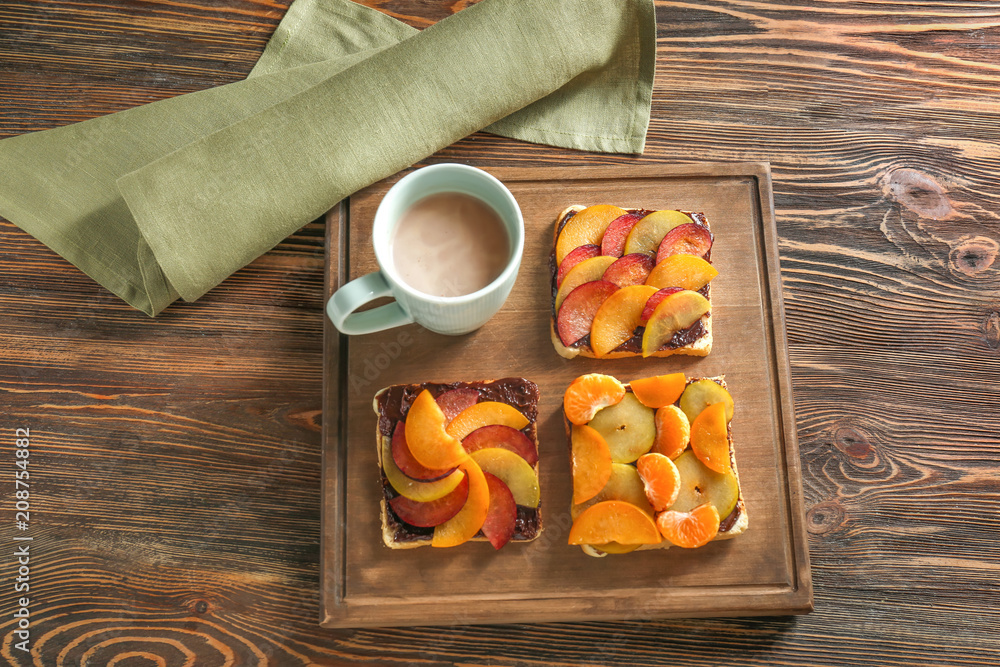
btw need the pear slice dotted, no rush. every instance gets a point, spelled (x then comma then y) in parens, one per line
(624, 484)
(700, 485)
(629, 428)
(702, 393)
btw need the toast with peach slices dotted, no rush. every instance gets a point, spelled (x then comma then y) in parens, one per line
(631, 282)
(458, 462)
(653, 463)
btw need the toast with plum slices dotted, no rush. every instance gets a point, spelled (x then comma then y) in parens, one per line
(630, 282)
(458, 462)
(652, 463)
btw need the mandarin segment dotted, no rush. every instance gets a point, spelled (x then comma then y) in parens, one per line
(426, 437)
(616, 320)
(685, 271)
(659, 390)
(710, 438)
(689, 529)
(589, 393)
(673, 432)
(586, 228)
(590, 463)
(660, 478)
(614, 521)
(463, 526)
(484, 414)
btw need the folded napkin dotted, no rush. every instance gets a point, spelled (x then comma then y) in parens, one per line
(170, 198)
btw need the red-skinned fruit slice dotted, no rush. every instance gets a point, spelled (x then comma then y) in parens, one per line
(613, 243)
(586, 227)
(576, 314)
(629, 270)
(574, 257)
(654, 301)
(689, 239)
(505, 437)
(675, 313)
(454, 401)
(433, 512)
(501, 518)
(408, 465)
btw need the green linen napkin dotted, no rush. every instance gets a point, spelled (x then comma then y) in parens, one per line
(170, 198)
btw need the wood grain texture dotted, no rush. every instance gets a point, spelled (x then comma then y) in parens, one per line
(177, 490)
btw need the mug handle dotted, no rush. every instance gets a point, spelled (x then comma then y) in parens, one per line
(341, 306)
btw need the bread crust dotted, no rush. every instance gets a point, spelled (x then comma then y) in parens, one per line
(742, 520)
(388, 534)
(699, 348)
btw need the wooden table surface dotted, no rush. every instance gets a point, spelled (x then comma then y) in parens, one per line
(175, 461)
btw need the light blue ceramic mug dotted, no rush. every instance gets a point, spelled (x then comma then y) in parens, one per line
(451, 315)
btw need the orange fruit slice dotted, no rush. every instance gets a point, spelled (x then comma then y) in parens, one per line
(590, 463)
(585, 228)
(463, 526)
(614, 521)
(685, 271)
(660, 390)
(710, 438)
(689, 529)
(429, 443)
(485, 414)
(673, 432)
(589, 393)
(661, 479)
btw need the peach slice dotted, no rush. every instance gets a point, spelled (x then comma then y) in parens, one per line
(463, 526)
(661, 480)
(675, 313)
(614, 521)
(411, 488)
(454, 401)
(613, 242)
(584, 272)
(576, 256)
(617, 318)
(659, 390)
(589, 393)
(654, 301)
(432, 512)
(689, 529)
(702, 393)
(484, 414)
(590, 463)
(700, 485)
(710, 438)
(648, 233)
(673, 432)
(688, 239)
(514, 471)
(628, 427)
(624, 484)
(501, 518)
(505, 437)
(684, 271)
(408, 465)
(629, 270)
(576, 314)
(585, 228)
(429, 443)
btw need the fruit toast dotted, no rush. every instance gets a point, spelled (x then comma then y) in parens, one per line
(652, 462)
(458, 461)
(630, 282)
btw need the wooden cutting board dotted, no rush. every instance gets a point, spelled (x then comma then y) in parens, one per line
(763, 571)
